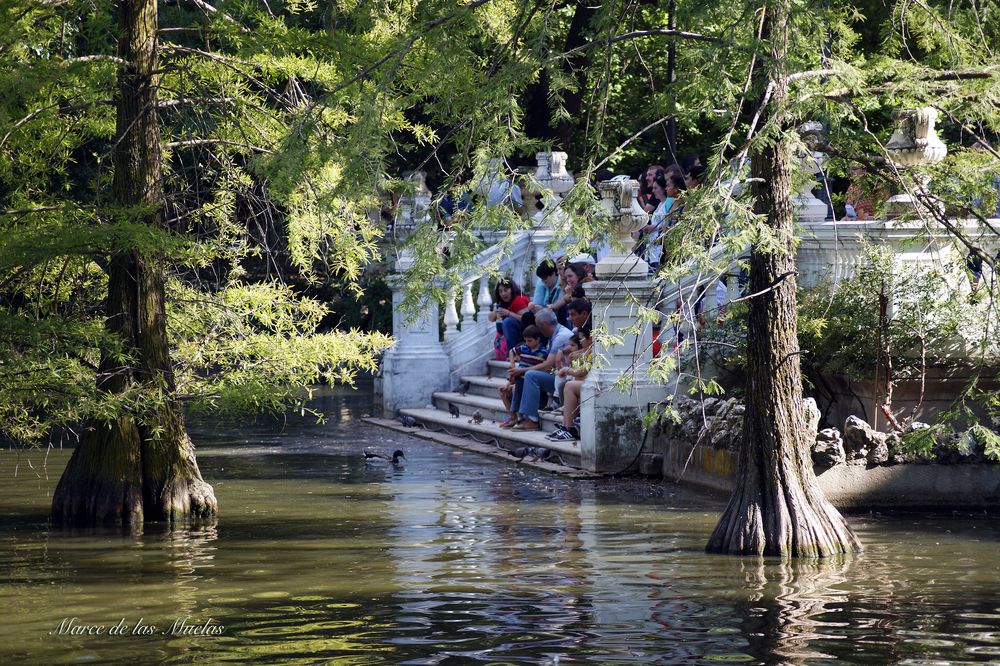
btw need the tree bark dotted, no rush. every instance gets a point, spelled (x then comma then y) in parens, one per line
(777, 507)
(140, 466)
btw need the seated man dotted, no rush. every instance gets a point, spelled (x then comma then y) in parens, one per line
(534, 381)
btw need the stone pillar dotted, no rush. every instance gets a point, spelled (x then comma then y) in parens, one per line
(617, 391)
(618, 199)
(553, 182)
(808, 208)
(416, 365)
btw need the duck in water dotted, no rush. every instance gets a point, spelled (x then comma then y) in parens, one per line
(373, 455)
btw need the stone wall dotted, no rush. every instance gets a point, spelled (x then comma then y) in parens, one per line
(856, 468)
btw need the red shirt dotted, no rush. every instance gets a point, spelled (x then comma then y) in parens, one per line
(519, 303)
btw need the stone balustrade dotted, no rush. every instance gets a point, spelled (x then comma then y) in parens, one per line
(430, 355)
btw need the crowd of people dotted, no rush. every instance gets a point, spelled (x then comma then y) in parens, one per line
(547, 341)
(546, 337)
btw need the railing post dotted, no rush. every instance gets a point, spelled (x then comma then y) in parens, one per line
(485, 298)
(468, 306)
(451, 319)
(416, 365)
(611, 418)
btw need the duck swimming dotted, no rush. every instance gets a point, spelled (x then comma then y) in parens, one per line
(373, 455)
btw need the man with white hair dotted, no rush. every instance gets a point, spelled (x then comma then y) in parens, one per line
(530, 383)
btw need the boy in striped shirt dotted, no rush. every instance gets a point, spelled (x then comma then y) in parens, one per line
(530, 353)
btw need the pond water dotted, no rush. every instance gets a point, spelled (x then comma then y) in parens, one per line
(455, 558)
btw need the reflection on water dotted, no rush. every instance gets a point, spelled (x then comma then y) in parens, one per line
(454, 558)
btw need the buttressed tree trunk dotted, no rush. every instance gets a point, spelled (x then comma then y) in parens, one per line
(130, 469)
(777, 507)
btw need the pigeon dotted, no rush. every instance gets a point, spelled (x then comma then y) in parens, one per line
(376, 456)
(464, 388)
(521, 452)
(453, 410)
(477, 417)
(408, 421)
(537, 453)
(551, 456)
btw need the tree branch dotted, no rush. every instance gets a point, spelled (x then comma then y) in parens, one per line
(216, 142)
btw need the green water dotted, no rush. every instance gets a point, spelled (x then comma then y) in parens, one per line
(456, 558)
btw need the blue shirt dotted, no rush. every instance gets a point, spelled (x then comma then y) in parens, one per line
(504, 192)
(546, 295)
(560, 338)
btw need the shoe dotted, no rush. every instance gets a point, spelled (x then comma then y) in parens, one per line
(553, 436)
(509, 423)
(557, 411)
(563, 436)
(526, 424)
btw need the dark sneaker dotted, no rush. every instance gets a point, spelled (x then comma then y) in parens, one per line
(553, 436)
(562, 436)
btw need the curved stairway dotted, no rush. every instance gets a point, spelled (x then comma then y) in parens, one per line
(481, 395)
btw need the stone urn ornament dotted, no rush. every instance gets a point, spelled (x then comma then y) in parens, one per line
(808, 208)
(412, 211)
(914, 143)
(553, 182)
(618, 199)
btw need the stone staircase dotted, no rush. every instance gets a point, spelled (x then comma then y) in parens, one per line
(481, 395)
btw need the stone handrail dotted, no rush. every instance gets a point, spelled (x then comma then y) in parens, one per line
(468, 334)
(828, 250)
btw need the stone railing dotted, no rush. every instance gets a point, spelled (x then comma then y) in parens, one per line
(835, 250)
(467, 335)
(444, 340)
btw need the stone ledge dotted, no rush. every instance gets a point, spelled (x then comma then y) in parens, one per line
(849, 486)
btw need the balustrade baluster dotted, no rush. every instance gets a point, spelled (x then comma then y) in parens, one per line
(451, 319)
(468, 307)
(485, 299)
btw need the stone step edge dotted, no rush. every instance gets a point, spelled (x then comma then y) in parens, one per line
(526, 438)
(483, 380)
(485, 449)
(492, 404)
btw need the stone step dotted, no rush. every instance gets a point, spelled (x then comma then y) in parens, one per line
(437, 420)
(498, 368)
(483, 386)
(492, 409)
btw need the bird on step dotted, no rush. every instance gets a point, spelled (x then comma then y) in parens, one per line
(453, 410)
(408, 421)
(477, 417)
(373, 455)
(463, 389)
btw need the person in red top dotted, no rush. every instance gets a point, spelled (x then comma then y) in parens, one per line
(509, 304)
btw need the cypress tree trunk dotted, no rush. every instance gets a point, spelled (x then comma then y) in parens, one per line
(777, 507)
(131, 469)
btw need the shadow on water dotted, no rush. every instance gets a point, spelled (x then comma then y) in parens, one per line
(454, 558)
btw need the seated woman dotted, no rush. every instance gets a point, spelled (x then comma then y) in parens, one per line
(573, 279)
(508, 306)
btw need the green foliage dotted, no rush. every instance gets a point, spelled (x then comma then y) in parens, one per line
(929, 319)
(282, 121)
(254, 206)
(921, 441)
